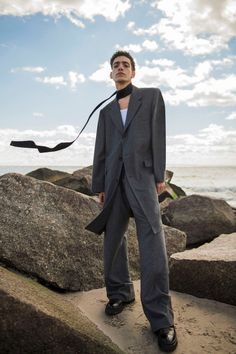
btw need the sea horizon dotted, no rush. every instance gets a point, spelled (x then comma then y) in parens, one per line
(217, 181)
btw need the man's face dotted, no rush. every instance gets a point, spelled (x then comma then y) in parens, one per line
(122, 70)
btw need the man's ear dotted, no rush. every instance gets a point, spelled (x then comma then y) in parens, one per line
(133, 73)
(111, 75)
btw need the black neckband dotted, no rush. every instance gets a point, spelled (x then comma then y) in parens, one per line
(124, 92)
(29, 144)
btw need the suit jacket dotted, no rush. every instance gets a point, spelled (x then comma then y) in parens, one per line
(139, 146)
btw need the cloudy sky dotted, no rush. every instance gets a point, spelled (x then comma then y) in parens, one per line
(55, 69)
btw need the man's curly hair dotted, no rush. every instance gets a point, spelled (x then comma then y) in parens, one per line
(122, 53)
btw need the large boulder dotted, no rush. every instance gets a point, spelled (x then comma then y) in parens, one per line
(42, 233)
(34, 319)
(175, 240)
(79, 181)
(78, 184)
(46, 174)
(201, 218)
(207, 271)
(86, 173)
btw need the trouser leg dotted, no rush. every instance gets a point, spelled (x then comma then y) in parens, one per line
(155, 296)
(116, 268)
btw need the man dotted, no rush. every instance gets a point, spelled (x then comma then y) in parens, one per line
(128, 174)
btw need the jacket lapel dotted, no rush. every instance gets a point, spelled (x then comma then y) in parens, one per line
(134, 105)
(116, 116)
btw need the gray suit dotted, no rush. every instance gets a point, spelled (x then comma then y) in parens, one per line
(128, 162)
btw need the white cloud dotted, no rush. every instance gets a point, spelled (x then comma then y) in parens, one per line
(150, 45)
(131, 25)
(151, 31)
(194, 87)
(31, 69)
(73, 10)
(224, 61)
(111, 10)
(215, 92)
(56, 81)
(75, 79)
(137, 48)
(160, 62)
(80, 153)
(195, 27)
(38, 114)
(203, 70)
(170, 77)
(231, 116)
(211, 145)
(102, 74)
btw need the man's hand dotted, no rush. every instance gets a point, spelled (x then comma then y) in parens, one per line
(101, 197)
(161, 186)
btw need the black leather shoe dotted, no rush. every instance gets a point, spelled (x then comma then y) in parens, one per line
(115, 306)
(167, 339)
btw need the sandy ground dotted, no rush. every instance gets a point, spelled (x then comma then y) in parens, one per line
(203, 326)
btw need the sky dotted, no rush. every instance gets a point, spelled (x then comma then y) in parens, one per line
(55, 69)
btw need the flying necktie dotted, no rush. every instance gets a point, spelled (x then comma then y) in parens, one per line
(31, 144)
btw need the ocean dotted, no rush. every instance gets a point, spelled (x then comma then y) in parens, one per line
(213, 181)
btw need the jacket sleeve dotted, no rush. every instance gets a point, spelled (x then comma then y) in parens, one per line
(159, 137)
(98, 176)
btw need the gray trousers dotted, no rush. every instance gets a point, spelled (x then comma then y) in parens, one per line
(155, 296)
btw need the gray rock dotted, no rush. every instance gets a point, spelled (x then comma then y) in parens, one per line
(168, 175)
(207, 271)
(171, 191)
(46, 174)
(79, 181)
(78, 184)
(175, 240)
(85, 171)
(34, 319)
(42, 233)
(177, 190)
(201, 218)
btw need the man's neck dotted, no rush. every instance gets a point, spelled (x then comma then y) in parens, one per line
(121, 85)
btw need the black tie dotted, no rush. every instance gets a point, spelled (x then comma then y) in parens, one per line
(31, 144)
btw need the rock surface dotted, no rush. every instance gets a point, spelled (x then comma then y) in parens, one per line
(200, 217)
(46, 174)
(78, 184)
(79, 181)
(175, 240)
(207, 271)
(42, 233)
(34, 319)
(85, 172)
